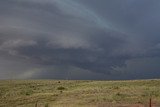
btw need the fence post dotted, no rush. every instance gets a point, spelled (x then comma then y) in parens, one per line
(150, 102)
(36, 105)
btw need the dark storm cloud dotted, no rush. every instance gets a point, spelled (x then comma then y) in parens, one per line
(79, 39)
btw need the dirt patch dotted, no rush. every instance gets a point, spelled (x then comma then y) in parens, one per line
(133, 105)
(154, 104)
(122, 105)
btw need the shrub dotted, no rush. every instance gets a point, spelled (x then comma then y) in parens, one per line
(46, 105)
(61, 88)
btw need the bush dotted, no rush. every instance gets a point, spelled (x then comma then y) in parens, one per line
(61, 88)
(46, 105)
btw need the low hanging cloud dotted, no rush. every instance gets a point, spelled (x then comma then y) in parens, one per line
(78, 39)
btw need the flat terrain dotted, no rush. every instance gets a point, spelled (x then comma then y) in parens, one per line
(55, 93)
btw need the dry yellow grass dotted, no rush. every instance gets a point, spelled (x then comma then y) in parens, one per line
(55, 93)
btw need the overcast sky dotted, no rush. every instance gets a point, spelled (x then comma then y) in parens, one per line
(79, 39)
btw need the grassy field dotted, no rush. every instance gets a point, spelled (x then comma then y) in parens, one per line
(54, 93)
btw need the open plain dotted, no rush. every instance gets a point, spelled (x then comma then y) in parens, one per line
(77, 93)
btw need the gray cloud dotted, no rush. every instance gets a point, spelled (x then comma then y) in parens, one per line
(82, 39)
